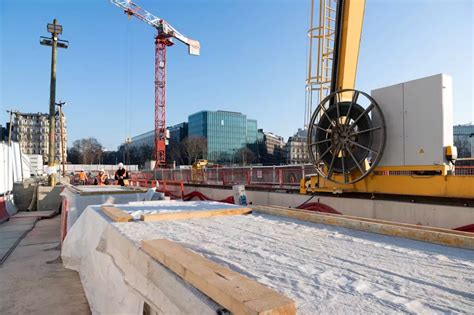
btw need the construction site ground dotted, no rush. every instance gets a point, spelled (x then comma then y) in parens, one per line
(32, 279)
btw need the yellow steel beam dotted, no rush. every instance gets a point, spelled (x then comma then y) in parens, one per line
(450, 186)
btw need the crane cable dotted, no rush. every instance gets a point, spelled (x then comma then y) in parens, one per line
(127, 108)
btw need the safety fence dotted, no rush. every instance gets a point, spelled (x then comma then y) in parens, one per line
(287, 176)
(284, 177)
(464, 171)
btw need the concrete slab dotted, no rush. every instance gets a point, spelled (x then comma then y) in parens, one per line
(33, 214)
(5, 246)
(12, 228)
(19, 221)
(6, 235)
(11, 232)
(43, 234)
(32, 286)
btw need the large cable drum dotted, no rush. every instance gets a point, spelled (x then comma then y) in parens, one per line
(346, 136)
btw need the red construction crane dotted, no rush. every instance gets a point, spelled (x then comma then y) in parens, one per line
(165, 33)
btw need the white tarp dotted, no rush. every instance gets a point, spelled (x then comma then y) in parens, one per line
(6, 169)
(17, 163)
(99, 195)
(118, 277)
(11, 166)
(26, 166)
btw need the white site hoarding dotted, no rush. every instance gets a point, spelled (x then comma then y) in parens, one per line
(11, 166)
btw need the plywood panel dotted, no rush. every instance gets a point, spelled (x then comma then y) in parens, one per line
(414, 232)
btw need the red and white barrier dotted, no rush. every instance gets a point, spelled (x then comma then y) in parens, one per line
(3, 210)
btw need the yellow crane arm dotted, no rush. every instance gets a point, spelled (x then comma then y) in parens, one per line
(350, 17)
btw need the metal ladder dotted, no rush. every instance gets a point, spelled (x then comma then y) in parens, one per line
(320, 54)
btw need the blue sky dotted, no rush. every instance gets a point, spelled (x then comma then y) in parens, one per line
(253, 59)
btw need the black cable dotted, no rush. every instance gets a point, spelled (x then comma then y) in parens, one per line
(309, 199)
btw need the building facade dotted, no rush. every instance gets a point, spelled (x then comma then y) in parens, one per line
(31, 131)
(3, 133)
(296, 148)
(463, 137)
(176, 134)
(271, 148)
(144, 139)
(273, 143)
(226, 133)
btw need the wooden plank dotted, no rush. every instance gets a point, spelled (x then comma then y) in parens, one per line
(116, 214)
(423, 227)
(185, 215)
(234, 291)
(414, 232)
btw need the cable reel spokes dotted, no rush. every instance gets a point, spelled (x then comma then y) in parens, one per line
(346, 136)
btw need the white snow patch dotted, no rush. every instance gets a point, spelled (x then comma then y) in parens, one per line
(137, 208)
(325, 269)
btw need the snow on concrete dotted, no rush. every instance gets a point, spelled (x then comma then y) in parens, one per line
(104, 189)
(136, 209)
(327, 269)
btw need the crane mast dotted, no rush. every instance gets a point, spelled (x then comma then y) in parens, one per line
(163, 39)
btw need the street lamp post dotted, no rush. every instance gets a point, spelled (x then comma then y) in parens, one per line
(55, 29)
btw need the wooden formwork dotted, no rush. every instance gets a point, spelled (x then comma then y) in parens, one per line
(410, 231)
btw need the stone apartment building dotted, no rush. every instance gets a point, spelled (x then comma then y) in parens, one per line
(274, 143)
(270, 148)
(31, 130)
(297, 148)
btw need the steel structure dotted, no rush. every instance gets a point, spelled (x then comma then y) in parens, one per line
(349, 130)
(344, 142)
(163, 39)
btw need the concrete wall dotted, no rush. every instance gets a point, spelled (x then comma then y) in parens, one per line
(49, 198)
(23, 194)
(406, 212)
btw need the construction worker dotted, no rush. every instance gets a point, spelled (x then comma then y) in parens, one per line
(102, 178)
(82, 177)
(121, 175)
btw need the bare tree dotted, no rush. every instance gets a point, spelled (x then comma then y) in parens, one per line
(194, 148)
(463, 146)
(245, 156)
(88, 150)
(176, 154)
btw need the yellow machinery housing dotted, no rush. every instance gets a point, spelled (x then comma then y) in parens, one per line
(345, 138)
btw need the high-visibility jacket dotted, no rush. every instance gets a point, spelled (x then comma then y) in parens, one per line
(82, 176)
(101, 179)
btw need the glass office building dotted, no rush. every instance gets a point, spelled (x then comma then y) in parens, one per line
(226, 133)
